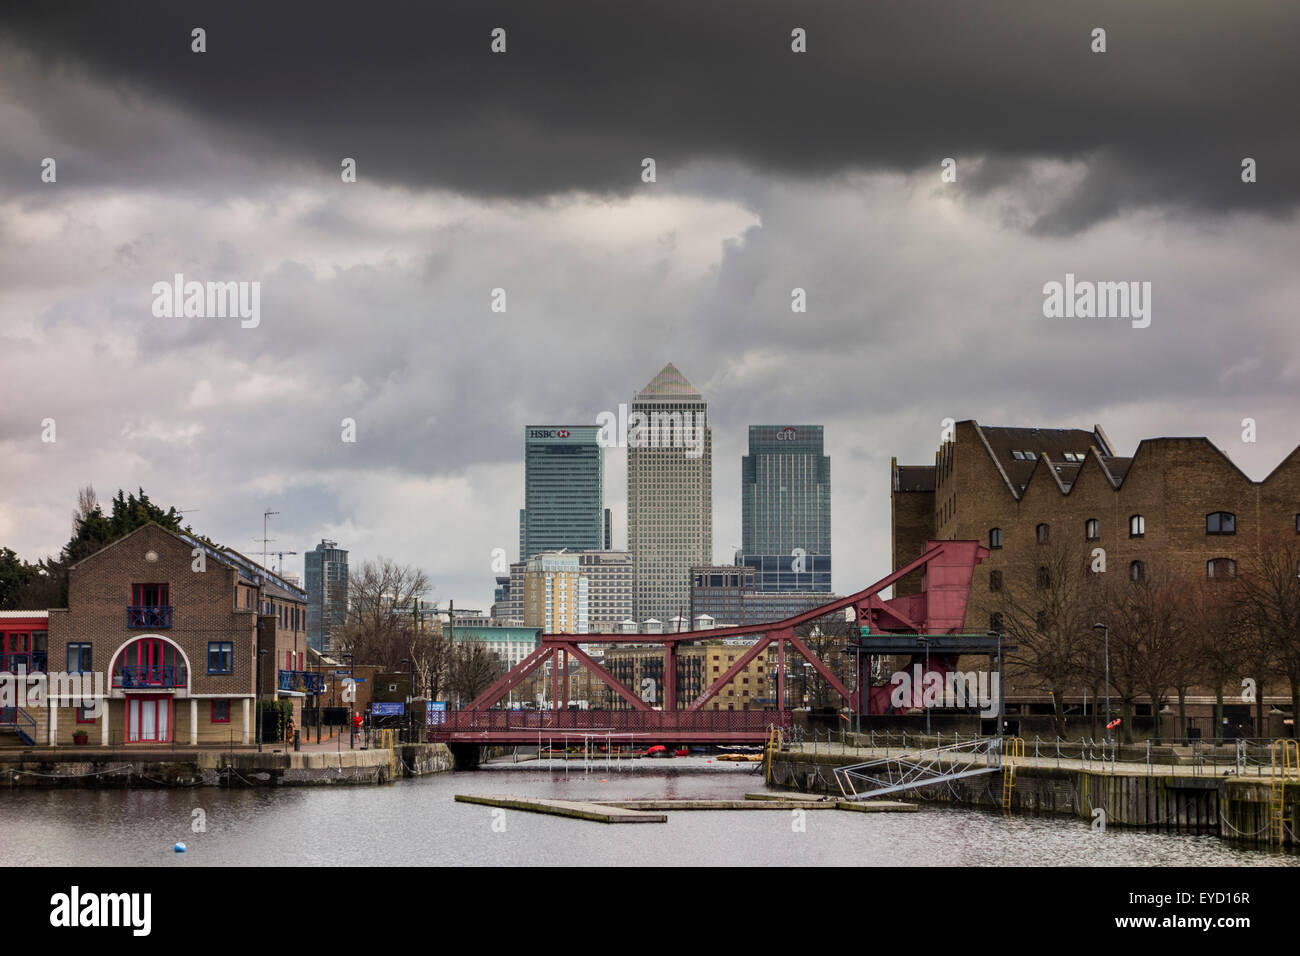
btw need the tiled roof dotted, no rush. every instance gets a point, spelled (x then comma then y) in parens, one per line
(1019, 449)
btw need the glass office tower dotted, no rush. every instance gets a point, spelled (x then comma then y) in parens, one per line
(785, 489)
(564, 490)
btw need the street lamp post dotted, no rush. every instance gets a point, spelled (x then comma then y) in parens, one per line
(1002, 686)
(410, 698)
(1105, 629)
(261, 656)
(352, 732)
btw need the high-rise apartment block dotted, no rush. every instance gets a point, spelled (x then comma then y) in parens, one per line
(326, 571)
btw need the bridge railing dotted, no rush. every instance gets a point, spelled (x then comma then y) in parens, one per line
(610, 721)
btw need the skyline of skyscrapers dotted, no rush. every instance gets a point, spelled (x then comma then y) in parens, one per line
(669, 493)
(785, 489)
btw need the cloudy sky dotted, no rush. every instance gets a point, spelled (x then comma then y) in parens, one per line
(522, 170)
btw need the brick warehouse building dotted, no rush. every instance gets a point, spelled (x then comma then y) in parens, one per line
(1179, 504)
(177, 645)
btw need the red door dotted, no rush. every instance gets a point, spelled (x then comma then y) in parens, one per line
(148, 719)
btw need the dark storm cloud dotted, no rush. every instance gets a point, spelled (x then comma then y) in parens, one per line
(587, 89)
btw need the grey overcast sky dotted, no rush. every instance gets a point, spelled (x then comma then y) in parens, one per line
(522, 170)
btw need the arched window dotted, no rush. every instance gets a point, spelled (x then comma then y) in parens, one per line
(995, 621)
(995, 580)
(1221, 522)
(1137, 571)
(1040, 622)
(1221, 568)
(150, 662)
(1137, 526)
(1044, 577)
(1092, 529)
(1044, 533)
(995, 537)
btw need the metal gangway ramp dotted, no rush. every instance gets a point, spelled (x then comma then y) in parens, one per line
(922, 768)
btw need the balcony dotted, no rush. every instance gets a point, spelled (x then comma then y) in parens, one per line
(306, 682)
(149, 615)
(138, 676)
(33, 662)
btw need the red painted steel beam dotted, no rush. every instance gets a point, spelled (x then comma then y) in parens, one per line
(749, 630)
(610, 681)
(811, 658)
(732, 671)
(516, 674)
(670, 676)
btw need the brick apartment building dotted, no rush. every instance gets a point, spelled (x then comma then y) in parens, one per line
(698, 666)
(175, 626)
(1178, 504)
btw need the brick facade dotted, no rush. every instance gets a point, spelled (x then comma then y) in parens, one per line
(978, 483)
(221, 603)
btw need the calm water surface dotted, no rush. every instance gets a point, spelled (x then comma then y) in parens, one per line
(417, 822)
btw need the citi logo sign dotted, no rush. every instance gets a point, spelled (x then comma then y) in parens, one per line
(787, 434)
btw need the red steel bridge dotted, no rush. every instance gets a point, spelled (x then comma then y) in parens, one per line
(894, 626)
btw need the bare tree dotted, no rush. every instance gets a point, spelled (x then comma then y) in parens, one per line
(1148, 636)
(827, 637)
(472, 670)
(87, 502)
(380, 627)
(1046, 615)
(1268, 591)
(1216, 640)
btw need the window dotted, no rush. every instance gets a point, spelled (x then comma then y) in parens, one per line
(1221, 522)
(1137, 526)
(221, 712)
(149, 595)
(995, 537)
(1221, 568)
(1044, 577)
(1137, 571)
(221, 657)
(79, 658)
(995, 621)
(86, 714)
(1092, 529)
(995, 580)
(1040, 622)
(1017, 455)
(1044, 533)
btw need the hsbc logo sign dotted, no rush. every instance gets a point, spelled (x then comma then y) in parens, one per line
(562, 433)
(787, 434)
(549, 433)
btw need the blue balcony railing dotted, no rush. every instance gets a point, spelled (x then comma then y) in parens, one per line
(305, 682)
(135, 676)
(33, 662)
(149, 615)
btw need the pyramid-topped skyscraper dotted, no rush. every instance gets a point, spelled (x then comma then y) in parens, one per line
(669, 494)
